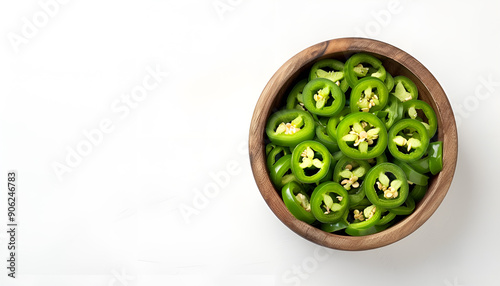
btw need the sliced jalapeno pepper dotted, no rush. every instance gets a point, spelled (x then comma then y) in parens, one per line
(295, 99)
(358, 66)
(418, 192)
(405, 89)
(275, 153)
(350, 173)
(392, 112)
(297, 201)
(290, 127)
(413, 176)
(323, 97)
(310, 161)
(383, 190)
(411, 108)
(322, 136)
(405, 210)
(281, 173)
(408, 140)
(330, 69)
(389, 81)
(363, 218)
(362, 135)
(334, 121)
(329, 202)
(336, 226)
(421, 165)
(367, 231)
(386, 217)
(436, 157)
(369, 95)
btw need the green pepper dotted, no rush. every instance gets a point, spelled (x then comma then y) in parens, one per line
(411, 108)
(330, 69)
(421, 165)
(370, 94)
(386, 191)
(295, 99)
(367, 231)
(297, 201)
(435, 157)
(355, 69)
(336, 226)
(413, 176)
(274, 153)
(405, 89)
(323, 97)
(290, 127)
(418, 192)
(405, 210)
(310, 161)
(350, 173)
(334, 121)
(362, 135)
(389, 81)
(364, 218)
(281, 172)
(392, 112)
(386, 217)
(329, 202)
(322, 136)
(408, 140)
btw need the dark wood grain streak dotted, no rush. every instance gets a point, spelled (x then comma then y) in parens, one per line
(397, 62)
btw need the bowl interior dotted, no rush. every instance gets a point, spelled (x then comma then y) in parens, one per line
(396, 62)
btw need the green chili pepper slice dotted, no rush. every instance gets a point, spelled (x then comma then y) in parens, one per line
(405, 89)
(290, 127)
(336, 226)
(418, 192)
(281, 173)
(297, 201)
(436, 157)
(367, 231)
(386, 186)
(330, 69)
(295, 98)
(362, 135)
(389, 81)
(411, 108)
(392, 112)
(370, 94)
(421, 165)
(323, 137)
(334, 121)
(358, 66)
(413, 176)
(350, 173)
(329, 202)
(323, 97)
(386, 217)
(408, 140)
(363, 218)
(275, 154)
(310, 161)
(405, 210)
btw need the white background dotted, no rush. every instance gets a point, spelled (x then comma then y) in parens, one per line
(114, 217)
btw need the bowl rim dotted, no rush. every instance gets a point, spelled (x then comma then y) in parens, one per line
(447, 132)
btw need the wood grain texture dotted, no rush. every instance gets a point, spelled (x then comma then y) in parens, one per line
(396, 62)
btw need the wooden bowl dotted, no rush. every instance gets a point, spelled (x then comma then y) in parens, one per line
(396, 62)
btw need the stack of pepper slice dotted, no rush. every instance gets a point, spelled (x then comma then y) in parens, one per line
(352, 150)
